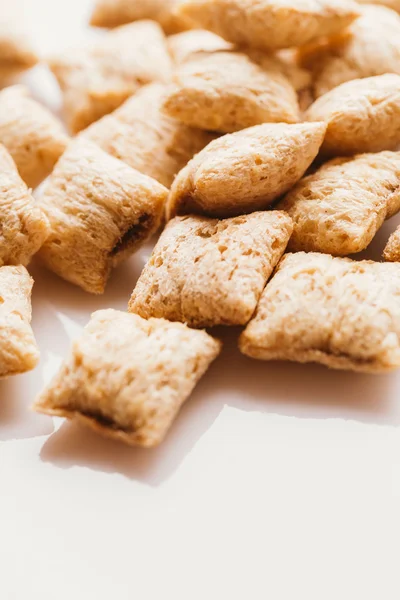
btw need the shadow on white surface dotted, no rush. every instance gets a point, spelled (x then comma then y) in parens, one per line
(303, 391)
(17, 421)
(60, 310)
(74, 302)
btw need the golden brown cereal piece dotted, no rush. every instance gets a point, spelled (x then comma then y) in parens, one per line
(270, 24)
(362, 116)
(391, 252)
(18, 349)
(202, 95)
(339, 208)
(23, 225)
(206, 272)
(98, 78)
(193, 44)
(16, 51)
(127, 377)
(139, 134)
(111, 13)
(245, 171)
(341, 313)
(371, 47)
(32, 135)
(100, 211)
(190, 44)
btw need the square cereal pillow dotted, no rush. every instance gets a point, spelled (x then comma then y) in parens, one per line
(97, 78)
(202, 95)
(369, 47)
(245, 171)
(127, 377)
(206, 272)
(100, 212)
(339, 208)
(269, 24)
(362, 116)
(341, 313)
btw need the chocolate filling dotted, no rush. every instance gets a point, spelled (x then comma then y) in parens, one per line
(104, 421)
(133, 235)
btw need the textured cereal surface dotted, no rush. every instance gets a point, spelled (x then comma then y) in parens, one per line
(142, 136)
(339, 208)
(270, 24)
(245, 171)
(341, 313)
(371, 47)
(96, 79)
(391, 252)
(202, 95)
(206, 272)
(18, 349)
(127, 377)
(362, 116)
(100, 211)
(112, 13)
(189, 44)
(32, 135)
(23, 225)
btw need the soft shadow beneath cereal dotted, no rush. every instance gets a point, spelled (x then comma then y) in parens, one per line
(375, 249)
(78, 304)
(302, 391)
(17, 422)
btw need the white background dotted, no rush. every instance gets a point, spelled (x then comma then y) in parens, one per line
(277, 481)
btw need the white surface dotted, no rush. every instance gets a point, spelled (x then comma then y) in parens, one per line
(277, 481)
